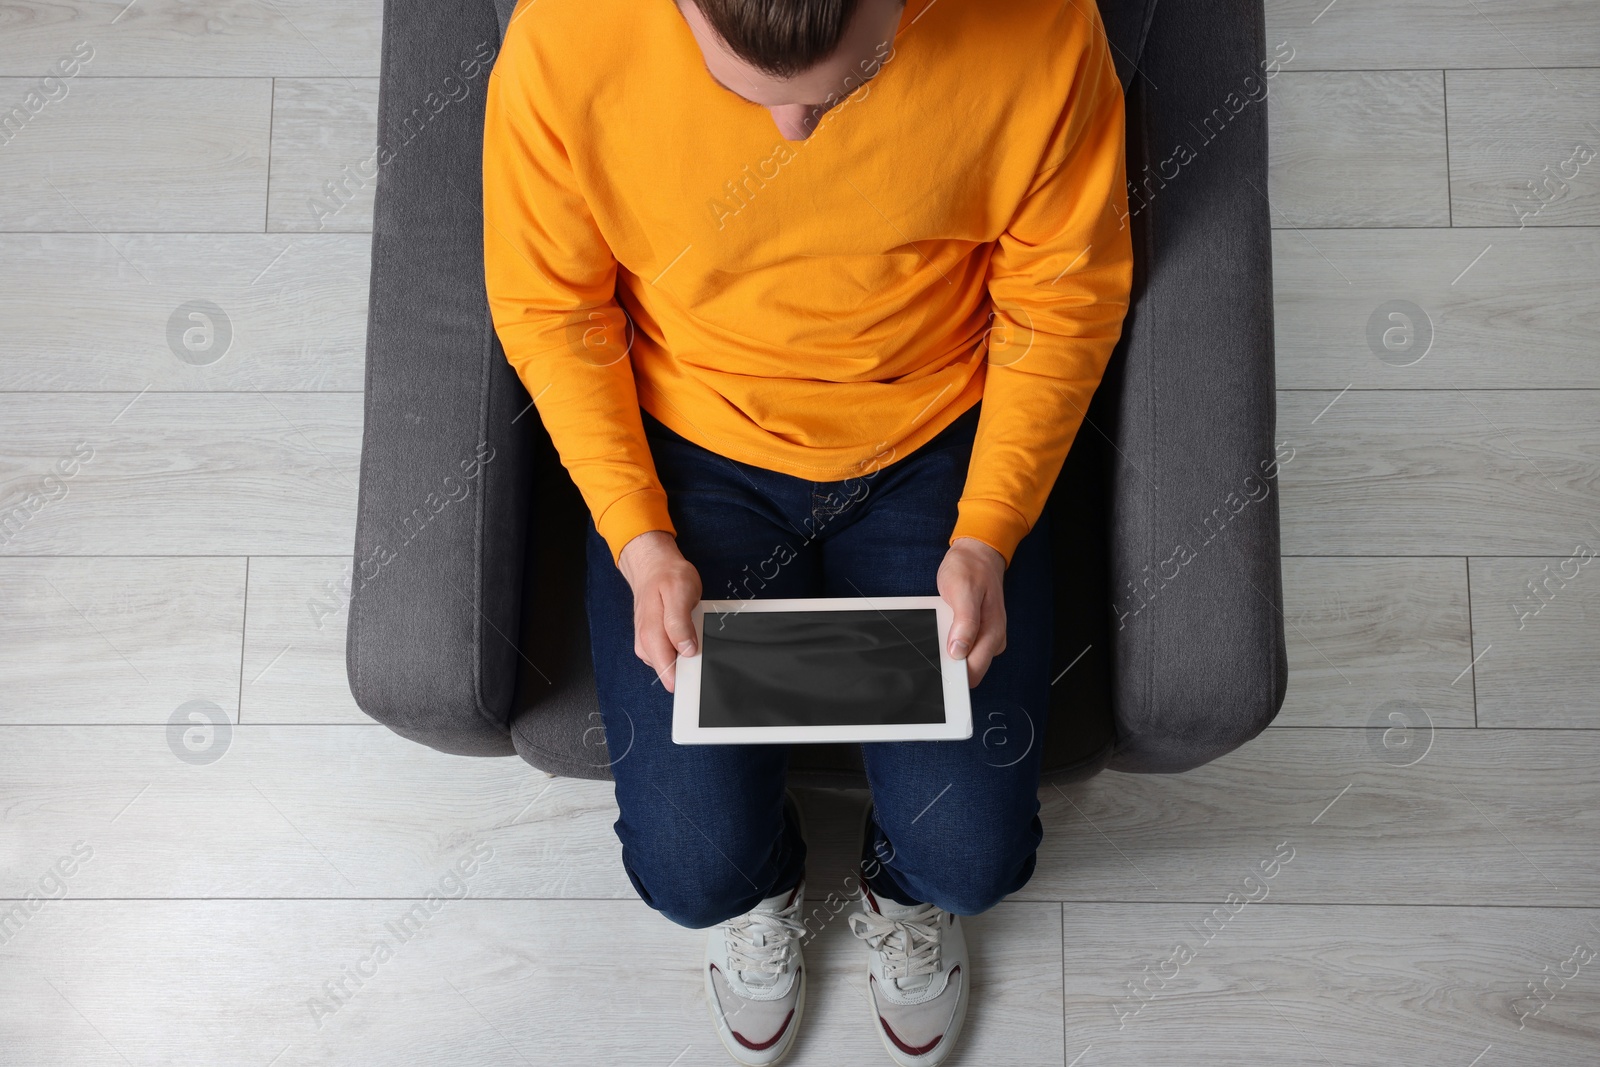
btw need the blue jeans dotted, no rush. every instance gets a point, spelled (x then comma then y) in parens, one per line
(704, 831)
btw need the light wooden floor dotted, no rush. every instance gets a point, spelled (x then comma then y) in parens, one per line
(1435, 877)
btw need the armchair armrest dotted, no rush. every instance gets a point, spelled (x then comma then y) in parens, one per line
(446, 493)
(1197, 603)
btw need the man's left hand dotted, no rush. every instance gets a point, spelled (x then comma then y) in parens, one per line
(970, 579)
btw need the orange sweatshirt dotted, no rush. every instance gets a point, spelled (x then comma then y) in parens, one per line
(954, 229)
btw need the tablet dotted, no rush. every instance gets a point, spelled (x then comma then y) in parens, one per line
(821, 669)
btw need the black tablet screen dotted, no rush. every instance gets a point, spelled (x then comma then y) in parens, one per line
(821, 668)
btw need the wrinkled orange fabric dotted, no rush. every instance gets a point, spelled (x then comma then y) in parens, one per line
(954, 229)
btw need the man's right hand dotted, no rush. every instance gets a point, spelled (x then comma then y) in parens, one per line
(666, 587)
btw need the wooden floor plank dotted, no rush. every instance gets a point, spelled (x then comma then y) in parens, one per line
(118, 639)
(132, 154)
(1387, 127)
(1365, 632)
(324, 155)
(1448, 472)
(228, 38)
(1536, 629)
(1397, 813)
(183, 311)
(275, 805)
(1488, 308)
(179, 474)
(1418, 34)
(1218, 983)
(1483, 817)
(294, 653)
(1525, 146)
(489, 983)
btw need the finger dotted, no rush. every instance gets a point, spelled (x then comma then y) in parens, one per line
(991, 638)
(651, 643)
(988, 646)
(678, 600)
(977, 667)
(960, 592)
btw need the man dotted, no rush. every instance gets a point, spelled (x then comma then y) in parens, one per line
(812, 296)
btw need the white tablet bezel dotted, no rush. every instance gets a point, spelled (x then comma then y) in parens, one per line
(686, 728)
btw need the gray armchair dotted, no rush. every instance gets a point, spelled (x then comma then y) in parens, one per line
(468, 556)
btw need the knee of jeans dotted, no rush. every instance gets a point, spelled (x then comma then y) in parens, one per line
(695, 882)
(976, 885)
(964, 874)
(694, 899)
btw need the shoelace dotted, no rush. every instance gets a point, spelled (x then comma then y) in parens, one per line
(910, 944)
(761, 944)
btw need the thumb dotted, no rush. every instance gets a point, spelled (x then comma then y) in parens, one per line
(963, 601)
(678, 622)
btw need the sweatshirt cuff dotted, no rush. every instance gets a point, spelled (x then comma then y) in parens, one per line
(997, 525)
(639, 512)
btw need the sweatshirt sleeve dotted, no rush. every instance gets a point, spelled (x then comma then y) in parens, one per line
(1059, 281)
(551, 282)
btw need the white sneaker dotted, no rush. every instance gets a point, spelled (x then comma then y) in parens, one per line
(755, 976)
(917, 975)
